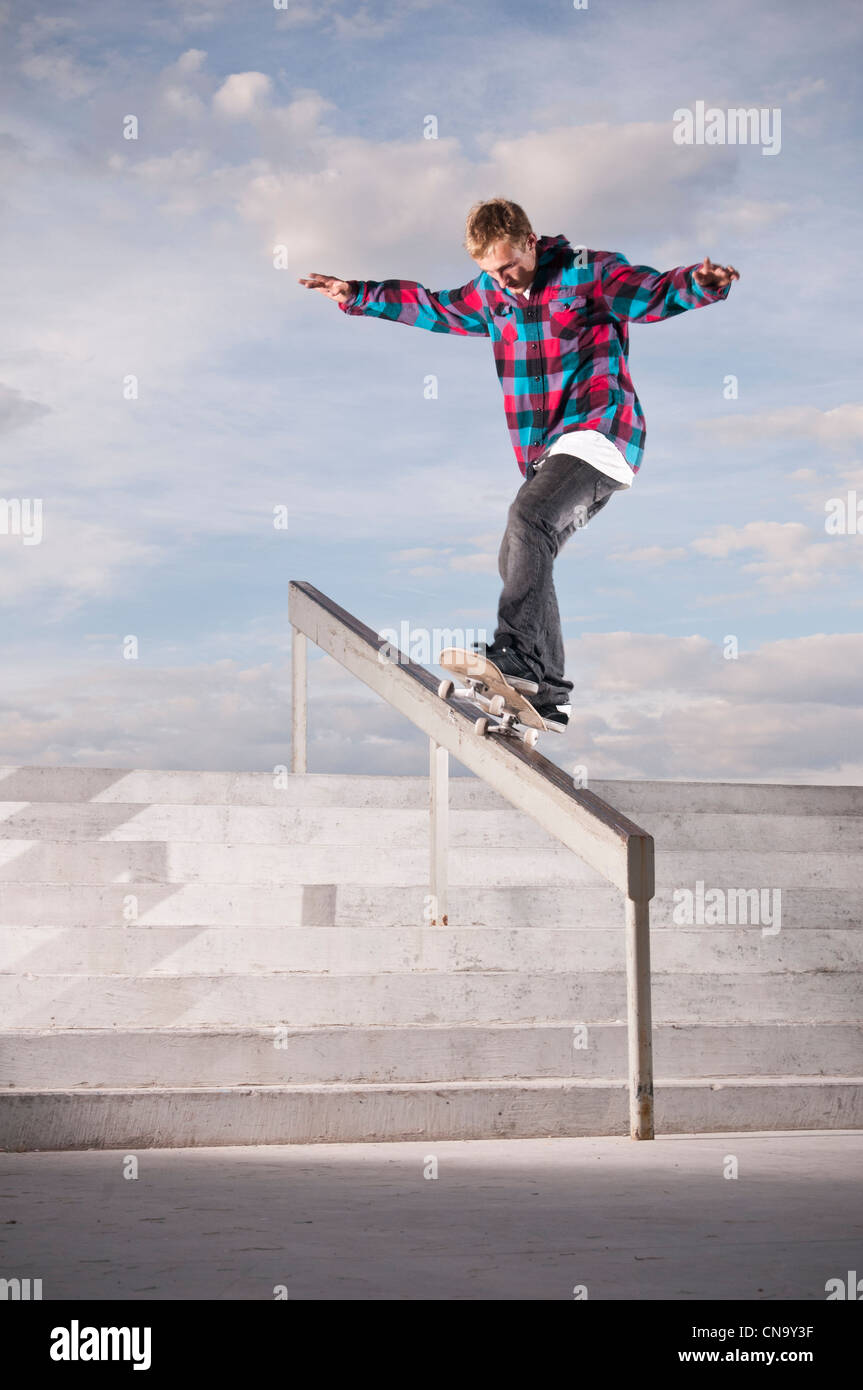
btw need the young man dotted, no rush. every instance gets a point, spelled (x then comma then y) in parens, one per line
(558, 322)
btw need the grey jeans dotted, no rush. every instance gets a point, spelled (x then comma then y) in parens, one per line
(553, 502)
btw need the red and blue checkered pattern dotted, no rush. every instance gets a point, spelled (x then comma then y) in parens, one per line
(561, 353)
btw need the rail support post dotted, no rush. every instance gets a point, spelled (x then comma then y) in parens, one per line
(298, 701)
(640, 1038)
(438, 832)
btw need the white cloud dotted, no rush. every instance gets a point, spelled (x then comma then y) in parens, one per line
(201, 14)
(16, 410)
(358, 22)
(786, 555)
(65, 77)
(780, 540)
(395, 190)
(39, 28)
(75, 561)
(180, 168)
(179, 101)
(192, 60)
(741, 218)
(243, 94)
(646, 706)
(817, 669)
(650, 555)
(653, 705)
(809, 87)
(841, 427)
(415, 554)
(475, 564)
(350, 21)
(447, 559)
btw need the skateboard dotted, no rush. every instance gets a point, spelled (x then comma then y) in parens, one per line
(487, 687)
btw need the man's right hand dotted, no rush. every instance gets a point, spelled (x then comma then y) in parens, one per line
(340, 290)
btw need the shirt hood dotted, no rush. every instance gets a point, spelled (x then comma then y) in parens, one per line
(548, 247)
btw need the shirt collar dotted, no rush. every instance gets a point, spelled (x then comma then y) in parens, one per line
(548, 247)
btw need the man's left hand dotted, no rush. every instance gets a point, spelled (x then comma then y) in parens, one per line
(715, 277)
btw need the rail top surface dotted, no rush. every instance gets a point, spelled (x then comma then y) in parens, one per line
(601, 836)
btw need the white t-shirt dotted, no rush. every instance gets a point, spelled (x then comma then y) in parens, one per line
(592, 446)
(597, 450)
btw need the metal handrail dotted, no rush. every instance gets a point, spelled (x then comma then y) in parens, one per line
(603, 838)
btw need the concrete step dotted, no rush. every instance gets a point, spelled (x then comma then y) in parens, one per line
(270, 976)
(22, 784)
(102, 862)
(594, 906)
(164, 1117)
(112, 1001)
(361, 826)
(126, 1058)
(146, 787)
(732, 832)
(144, 950)
(45, 861)
(74, 822)
(735, 798)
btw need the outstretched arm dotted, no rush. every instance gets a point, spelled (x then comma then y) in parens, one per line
(404, 301)
(636, 292)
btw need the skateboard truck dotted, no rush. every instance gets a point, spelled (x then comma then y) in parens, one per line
(506, 709)
(509, 724)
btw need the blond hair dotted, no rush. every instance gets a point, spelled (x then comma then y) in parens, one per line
(493, 220)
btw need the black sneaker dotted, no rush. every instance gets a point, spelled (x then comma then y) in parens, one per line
(555, 716)
(511, 665)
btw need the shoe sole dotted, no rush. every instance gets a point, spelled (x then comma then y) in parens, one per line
(519, 683)
(522, 683)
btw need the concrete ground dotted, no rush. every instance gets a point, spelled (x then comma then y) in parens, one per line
(504, 1219)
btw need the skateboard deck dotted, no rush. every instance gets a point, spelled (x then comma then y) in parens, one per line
(488, 688)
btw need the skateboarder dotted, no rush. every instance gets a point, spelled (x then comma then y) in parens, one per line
(558, 319)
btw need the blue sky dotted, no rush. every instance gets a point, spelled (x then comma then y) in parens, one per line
(303, 127)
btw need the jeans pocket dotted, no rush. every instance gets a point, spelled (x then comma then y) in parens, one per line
(602, 492)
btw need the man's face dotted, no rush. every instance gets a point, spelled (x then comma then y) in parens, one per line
(511, 268)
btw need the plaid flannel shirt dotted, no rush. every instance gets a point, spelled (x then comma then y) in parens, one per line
(561, 352)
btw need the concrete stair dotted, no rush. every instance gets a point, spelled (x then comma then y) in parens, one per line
(223, 958)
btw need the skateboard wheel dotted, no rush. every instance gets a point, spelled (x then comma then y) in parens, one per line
(445, 689)
(530, 737)
(496, 705)
(481, 725)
